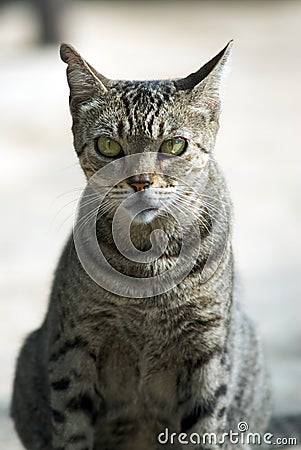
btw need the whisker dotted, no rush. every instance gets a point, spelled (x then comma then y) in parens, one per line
(187, 207)
(99, 210)
(79, 225)
(82, 205)
(77, 200)
(202, 202)
(71, 191)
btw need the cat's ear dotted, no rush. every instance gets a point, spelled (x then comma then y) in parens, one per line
(84, 81)
(208, 78)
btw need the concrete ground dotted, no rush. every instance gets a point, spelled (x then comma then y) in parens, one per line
(258, 147)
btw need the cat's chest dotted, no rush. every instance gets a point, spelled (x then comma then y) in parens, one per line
(145, 360)
(137, 369)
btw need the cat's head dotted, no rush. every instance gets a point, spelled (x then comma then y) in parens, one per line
(113, 119)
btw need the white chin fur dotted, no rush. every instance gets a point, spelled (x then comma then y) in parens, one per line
(145, 216)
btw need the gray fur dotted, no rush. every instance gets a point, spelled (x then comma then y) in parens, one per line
(106, 372)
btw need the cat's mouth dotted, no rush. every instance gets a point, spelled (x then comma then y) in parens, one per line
(142, 207)
(145, 216)
(142, 212)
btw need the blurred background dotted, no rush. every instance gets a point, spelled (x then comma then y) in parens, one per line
(258, 148)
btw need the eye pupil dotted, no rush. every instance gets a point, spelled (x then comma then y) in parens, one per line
(108, 147)
(175, 146)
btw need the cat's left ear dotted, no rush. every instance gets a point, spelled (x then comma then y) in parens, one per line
(207, 79)
(84, 81)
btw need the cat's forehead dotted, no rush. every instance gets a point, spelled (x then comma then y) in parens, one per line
(142, 109)
(141, 91)
(139, 107)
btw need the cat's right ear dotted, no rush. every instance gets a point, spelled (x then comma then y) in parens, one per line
(84, 81)
(212, 70)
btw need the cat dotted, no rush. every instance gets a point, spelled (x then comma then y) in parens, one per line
(108, 371)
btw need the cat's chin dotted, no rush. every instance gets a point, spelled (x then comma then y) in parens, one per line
(145, 217)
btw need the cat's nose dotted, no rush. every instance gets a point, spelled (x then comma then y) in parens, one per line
(139, 183)
(139, 186)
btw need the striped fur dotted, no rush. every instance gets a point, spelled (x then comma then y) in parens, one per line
(105, 372)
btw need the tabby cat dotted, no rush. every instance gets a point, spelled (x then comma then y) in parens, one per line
(107, 371)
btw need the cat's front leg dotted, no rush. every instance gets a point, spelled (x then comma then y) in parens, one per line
(74, 397)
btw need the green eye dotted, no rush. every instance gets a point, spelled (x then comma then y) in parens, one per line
(175, 146)
(107, 147)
